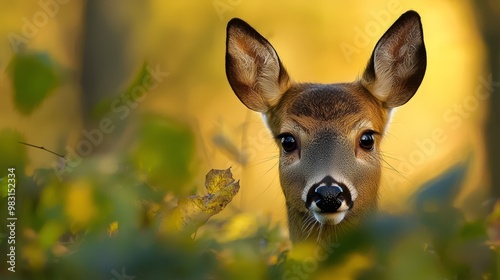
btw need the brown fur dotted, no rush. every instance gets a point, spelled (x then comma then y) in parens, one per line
(327, 120)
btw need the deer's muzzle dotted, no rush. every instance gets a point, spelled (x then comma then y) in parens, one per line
(329, 197)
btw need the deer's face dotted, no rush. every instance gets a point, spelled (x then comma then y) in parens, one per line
(329, 134)
(329, 137)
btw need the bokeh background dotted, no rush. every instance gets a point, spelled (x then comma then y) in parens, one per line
(95, 54)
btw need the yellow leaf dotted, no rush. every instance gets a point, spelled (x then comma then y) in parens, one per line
(239, 227)
(34, 256)
(113, 229)
(80, 207)
(218, 179)
(352, 265)
(194, 211)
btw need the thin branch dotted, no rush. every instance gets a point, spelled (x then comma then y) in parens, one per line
(41, 148)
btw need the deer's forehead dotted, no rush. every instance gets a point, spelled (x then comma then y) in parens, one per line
(324, 103)
(336, 105)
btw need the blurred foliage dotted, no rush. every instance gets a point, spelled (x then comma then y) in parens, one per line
(102, 108)
(103, 220)
(33, 76)
(164, 152)
(12, 154)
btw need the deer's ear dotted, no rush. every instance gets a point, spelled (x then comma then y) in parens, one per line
(253, 67)
(397, 65)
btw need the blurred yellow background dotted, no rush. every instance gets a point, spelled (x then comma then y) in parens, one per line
(322, 42)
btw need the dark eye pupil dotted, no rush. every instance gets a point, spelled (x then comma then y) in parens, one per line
(367, 141)
(288, 143)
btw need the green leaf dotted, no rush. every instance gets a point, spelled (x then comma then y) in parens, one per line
(434, 203)
(103, 107)
(140, 77)
(12, 153)
(50, 233)
(4, 187)
(164, 152)
(33, 77)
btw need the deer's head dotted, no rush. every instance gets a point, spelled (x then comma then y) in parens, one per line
(329, 134)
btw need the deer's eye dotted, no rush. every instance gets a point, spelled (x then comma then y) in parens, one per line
(288, 143)
(367, 140)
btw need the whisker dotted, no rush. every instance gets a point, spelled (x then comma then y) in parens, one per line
(390, 135)
(311, 228)
(343, 230)
(270, 184)
(305, 222)
(389, 157)
(390, 167)
(308, 223)
(320, 231)
(335, 235)
(264, 160)
(271, 168)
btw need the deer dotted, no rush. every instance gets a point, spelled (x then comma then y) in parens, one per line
(329, 135)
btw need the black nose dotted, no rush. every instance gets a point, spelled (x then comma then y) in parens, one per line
(328, 195)
(328, 198)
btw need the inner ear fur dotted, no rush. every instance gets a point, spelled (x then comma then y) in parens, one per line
(253, 67)
(398, 62)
